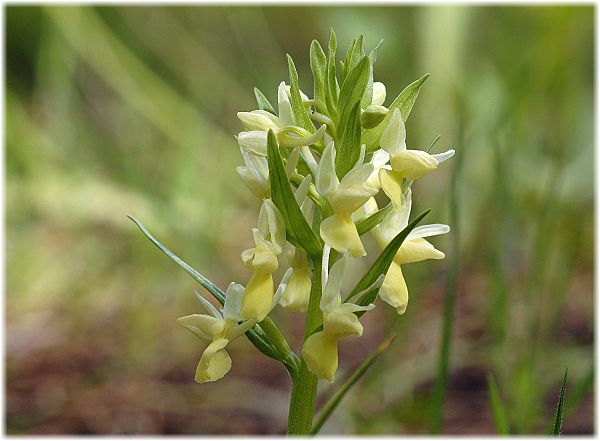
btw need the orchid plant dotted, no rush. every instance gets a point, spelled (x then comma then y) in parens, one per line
(316, 166)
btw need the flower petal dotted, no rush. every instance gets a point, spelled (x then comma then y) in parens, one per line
(254, 141)
(320, 354)
(428, 230)
(297, 292)
(339, 232)
(233, 302)
(378, 94)
(393, 138)
(331, 291)
(342, 323)
(285, 108)
(214, 363)
(258, 296)
(326, 180)
(416, 250)
(413, 164)
(202, 326)
(394, 290)
(259, 120)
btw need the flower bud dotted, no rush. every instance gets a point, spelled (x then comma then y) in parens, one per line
(372, 116)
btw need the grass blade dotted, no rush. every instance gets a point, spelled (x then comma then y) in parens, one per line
(558, 419)
(333, 402)
(498, 409)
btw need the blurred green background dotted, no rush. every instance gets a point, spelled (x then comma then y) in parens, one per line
(131, 110)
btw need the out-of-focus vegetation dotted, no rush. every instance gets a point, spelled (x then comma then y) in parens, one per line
(131, 110)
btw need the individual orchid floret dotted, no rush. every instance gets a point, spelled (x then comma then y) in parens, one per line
(296, 295)
(255, 174)
(269, 238)
(258, 122)
(218, 329)
(345, 197)
(415, 247)
(320, 349)
(409, 164)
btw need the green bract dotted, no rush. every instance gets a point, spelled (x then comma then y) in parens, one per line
(314, 166)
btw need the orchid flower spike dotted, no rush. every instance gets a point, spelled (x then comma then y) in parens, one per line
(345, 197)
(320, 349)
(415, 247)
(408, 164)
(218, 329)
(269, 238)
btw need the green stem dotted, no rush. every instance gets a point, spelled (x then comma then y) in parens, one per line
(304, 387)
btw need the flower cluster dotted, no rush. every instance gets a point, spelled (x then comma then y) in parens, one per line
(317, 165)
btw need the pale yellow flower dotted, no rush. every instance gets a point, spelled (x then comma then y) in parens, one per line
(320, 349)
(408, 164)
(218, 329)
(414, 248)
(269, 238)
(345, 197)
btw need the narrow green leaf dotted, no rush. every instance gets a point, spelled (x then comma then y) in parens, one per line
(345, 65)
(498, 410)
(207, 284)
(405, 102)
(558, 419)
(300, 113)
(263, 102)
(382, 264)
(299, 232)
(348, 150)
(331, 83)
(368, 223)
(334, 401)
(256, 335)
(353, 89)
(318, 66)
(368, 96)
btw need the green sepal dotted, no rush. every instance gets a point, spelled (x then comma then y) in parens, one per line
(353, 89)
(300, 113)
(366, 224)
(318, 66)
(263, 102)
(348, 151)
(298, 231)
(404, 102)
(332, 87)
(382, 264)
